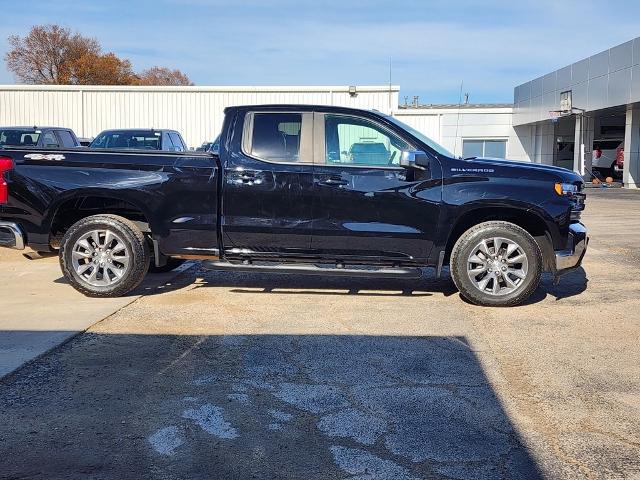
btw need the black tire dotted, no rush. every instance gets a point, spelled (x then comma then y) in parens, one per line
(468, 241)
(132, 239)
(172, 264)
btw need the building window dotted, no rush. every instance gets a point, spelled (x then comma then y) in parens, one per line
(484, 148)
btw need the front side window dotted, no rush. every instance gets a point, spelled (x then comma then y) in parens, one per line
(356, 141)
(484, 148)
(66, 138)
(49, 140)
(275, 137)
(167, 143)
(177, 142)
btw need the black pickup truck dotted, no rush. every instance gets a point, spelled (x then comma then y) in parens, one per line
(297, 189)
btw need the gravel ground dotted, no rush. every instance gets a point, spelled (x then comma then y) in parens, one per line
(255, 376)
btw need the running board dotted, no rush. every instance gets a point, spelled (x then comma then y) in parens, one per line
(306, 269)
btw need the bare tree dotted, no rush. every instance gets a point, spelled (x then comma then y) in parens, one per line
(162, 76)
(47, 53)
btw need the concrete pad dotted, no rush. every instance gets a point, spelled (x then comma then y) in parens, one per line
(39, 310)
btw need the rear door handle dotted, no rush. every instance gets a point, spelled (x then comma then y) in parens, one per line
(334, 181)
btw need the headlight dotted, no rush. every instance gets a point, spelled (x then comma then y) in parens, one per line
(566, 189)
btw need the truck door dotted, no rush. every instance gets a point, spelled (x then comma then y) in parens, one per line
(365, 204)
(268, 184)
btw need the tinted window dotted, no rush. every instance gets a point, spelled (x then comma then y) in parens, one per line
(66, 138)
(351, 140)
(49, 140)
(276, 136)
(26, 138)
(145, 140)
(177, 141)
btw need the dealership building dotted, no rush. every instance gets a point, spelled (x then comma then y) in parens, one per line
(592, 101)
(555, 119)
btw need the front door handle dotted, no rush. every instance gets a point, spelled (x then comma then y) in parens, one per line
(332, 181)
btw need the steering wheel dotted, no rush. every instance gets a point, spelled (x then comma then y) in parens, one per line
(393, 155)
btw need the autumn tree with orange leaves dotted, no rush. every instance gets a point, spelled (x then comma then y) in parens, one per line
(162, 76)
(53, 55)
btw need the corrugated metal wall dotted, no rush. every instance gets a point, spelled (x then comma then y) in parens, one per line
(197, 112)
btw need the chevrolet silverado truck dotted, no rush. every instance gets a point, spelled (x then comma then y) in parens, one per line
(297, 189)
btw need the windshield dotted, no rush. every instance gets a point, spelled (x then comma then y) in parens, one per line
(145, 140)
(423, 138)
(21, 138)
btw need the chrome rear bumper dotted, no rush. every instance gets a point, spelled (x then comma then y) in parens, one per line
(11, 235)
(571, 257)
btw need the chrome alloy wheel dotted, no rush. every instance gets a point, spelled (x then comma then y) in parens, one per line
(497, 266)
(100, 258)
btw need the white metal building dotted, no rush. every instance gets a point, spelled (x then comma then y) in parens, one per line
(197, 112)
(468, 129)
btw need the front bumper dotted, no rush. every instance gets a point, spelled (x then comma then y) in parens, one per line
(11, 235)
(571, 257)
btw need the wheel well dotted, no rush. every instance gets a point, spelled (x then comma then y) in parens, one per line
(78, 208)
(529, 221)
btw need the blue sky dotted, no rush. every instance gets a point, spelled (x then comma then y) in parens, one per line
(434, 45)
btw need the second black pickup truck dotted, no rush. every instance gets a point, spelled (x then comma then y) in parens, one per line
(297, 189)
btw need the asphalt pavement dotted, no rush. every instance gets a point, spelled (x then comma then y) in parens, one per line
(222, 375)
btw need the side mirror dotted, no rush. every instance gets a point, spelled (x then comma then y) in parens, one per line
(414, 159)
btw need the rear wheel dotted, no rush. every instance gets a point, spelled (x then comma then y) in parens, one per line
(496, 264)
(104, 256)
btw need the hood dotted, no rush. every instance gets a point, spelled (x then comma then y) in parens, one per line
(515, 168)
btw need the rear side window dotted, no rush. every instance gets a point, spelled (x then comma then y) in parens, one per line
(66, 138)
(276, 137)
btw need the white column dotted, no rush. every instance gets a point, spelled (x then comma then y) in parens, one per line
(631, 174)
(587, 140)
(577, 149)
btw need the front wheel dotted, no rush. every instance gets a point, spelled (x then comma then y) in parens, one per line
(496, 264)
(104, 256)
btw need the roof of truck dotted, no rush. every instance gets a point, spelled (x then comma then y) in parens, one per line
(33, 127)
(304, 107)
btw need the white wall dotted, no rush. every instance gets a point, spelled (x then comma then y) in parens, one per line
(196, 112)
(450, 126)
